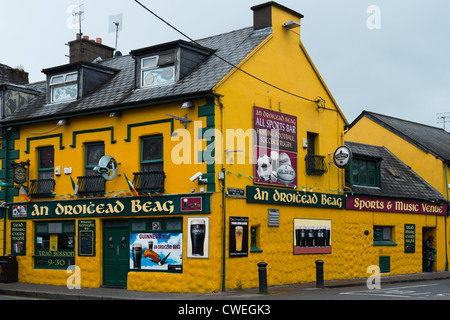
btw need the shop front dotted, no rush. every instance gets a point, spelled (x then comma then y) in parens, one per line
(110, 238)
(400, 228)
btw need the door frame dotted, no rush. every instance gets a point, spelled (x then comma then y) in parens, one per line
(109, 225)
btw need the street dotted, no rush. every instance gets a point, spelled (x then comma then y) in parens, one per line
(418, 290)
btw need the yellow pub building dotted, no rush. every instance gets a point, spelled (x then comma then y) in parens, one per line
(180, 166)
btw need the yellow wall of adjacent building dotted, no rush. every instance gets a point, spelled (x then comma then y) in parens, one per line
(424, 164)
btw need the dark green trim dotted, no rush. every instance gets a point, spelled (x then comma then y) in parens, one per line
(75, 133)
(208, 110)
(57, 135)
(384, 243)
(147, 123)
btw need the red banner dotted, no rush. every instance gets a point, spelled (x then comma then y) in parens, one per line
(400, 206)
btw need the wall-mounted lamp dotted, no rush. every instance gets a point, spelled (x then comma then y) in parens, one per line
(187, 104)
(63, 122)
(291, 24)
(115, 114)
(183, 121)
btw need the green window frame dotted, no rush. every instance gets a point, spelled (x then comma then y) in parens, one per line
(383, 236)
(162, 225)
(63, 255)
(46, 162)
(152, 153)
(254, 235)
(365, 172)
(93, 152)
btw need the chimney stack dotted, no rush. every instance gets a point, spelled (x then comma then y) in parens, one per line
(273, 14)
(13, 75)
(83, 49)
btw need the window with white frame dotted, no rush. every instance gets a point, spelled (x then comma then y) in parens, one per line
(64, 87)
(158, 69)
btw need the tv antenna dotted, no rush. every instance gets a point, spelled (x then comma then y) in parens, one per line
(443, 118)
(115, 25)
(78, 16)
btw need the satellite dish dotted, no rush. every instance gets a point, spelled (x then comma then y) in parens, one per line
(107, 167)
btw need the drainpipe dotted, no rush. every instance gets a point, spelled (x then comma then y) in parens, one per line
(446, 244)
(224, 225)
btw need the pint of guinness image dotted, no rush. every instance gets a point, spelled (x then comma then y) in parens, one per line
(198, 229)
(137, 255)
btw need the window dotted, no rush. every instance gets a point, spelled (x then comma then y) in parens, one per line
(254, 239)
(159, 69)
(365, 172)
(315, 164)
(46, 160)
(54, 244)
(152, 154)
(383, 236)
(94, 151)
(64, 87)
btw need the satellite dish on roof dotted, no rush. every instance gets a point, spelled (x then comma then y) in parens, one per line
(107, 167)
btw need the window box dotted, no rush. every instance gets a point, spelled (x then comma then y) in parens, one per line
(91, 185)
(149, 181)
(41, 188)
(315, 165)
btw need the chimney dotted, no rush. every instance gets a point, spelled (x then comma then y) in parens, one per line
(83, 49)
(273, 14)
(16, 76)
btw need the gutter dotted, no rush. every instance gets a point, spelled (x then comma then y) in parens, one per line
(104, 109)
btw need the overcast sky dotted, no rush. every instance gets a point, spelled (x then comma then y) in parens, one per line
(390, 57)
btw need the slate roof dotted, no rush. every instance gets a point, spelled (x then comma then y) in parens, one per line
(407, 184)
(427, 138)
(119, 91)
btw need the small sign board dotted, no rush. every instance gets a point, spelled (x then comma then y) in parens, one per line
(86, 238)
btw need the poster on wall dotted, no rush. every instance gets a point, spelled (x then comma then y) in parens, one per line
(198, 237)
(275, 148)
(410, 238)
(156, 251)
(238, 237)
(312, 236)
(18, 238)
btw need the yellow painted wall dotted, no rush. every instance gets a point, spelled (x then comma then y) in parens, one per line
(424, 164)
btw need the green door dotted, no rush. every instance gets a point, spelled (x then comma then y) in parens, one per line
(116, 253)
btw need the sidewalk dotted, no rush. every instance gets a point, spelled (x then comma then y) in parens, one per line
(39, 291)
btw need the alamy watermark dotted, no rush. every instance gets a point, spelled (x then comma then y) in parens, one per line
(374, 280)
(74, 280)
(373, 22)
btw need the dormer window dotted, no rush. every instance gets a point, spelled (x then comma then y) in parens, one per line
(64, 87)
(70, 82)
(158, 69)
(166, 63)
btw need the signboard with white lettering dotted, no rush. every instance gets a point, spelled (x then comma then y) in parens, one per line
(108, 207)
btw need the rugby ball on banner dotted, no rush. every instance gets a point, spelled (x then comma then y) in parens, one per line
(286, 173)
(342, 157)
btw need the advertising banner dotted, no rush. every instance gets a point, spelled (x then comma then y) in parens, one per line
(156, 251)
(395, 206)
(238, 237)
(198, 238)
(275, 148)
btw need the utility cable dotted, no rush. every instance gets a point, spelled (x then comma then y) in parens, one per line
(318, 100)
